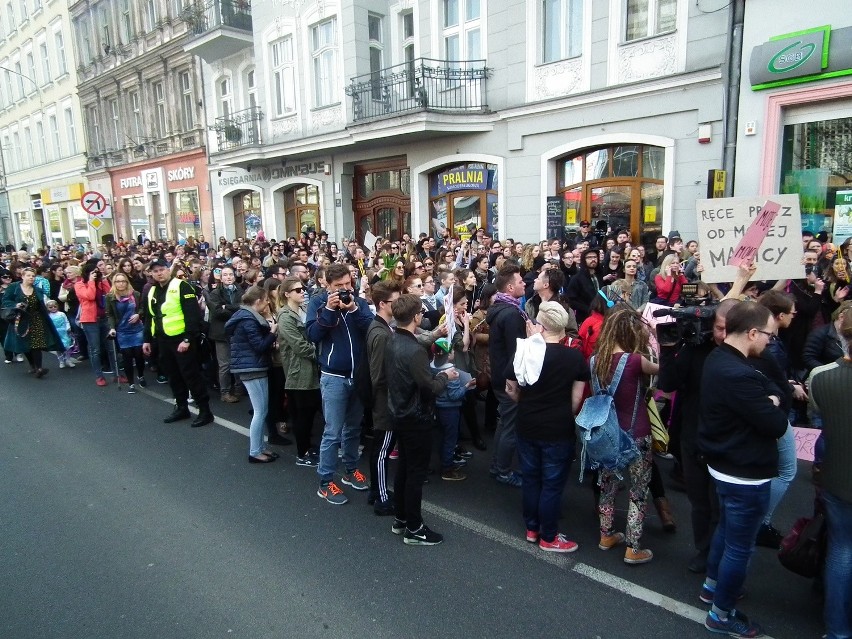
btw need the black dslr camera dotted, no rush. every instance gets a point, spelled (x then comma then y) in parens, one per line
(345, 297)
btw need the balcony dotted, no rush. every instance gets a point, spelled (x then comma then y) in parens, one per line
(220, 28)
(423, 84)
(240, 129)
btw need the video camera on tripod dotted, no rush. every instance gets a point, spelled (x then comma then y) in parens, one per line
(692, 325)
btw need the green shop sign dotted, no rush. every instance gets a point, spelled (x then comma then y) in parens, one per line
(804, 56)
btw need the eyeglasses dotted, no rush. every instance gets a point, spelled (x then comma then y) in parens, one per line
(296, 290)
(417, 286)
(767, 333)
(428, 263)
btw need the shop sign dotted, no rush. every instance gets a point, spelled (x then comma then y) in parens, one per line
(554, 216)
(181, 174)
(723, 224)
(462, 179)
(716, 179)
(804, 56)
(270, 174)
(131, 182)
(151, 180)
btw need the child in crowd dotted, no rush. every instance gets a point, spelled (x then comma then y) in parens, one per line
(63, 327)
(448, 406)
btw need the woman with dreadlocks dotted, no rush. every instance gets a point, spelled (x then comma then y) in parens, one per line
(625, 334)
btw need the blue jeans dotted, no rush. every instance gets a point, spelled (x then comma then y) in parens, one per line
(258, 392)
(343, 412)
(741, 512)
(787, 466)
(545, 466)
(838, 568)
(505, 438)
(97, 339)
(450, 420)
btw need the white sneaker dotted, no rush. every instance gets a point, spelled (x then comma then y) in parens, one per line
(19, 357)
(8, 361)
(70, 363)
(61, 364)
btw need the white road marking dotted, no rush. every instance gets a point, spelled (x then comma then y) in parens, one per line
(562, 561)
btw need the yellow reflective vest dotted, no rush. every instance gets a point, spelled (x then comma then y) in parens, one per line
(170, 309)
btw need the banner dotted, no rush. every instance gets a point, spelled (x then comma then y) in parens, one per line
(723, 223)
(842, 217)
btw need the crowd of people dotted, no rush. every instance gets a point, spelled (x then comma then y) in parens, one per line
(395, 343)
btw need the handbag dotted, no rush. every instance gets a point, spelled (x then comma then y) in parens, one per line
(63, 294)
(803, 549)
(659, 432)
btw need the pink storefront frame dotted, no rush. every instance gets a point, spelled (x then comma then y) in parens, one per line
(774, 118)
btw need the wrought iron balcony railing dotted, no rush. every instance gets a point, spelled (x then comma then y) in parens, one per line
(422, 84)
(203, 16)
(241, 128)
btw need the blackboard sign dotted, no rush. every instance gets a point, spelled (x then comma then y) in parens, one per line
(555, 218)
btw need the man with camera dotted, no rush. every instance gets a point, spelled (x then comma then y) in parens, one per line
(337, 321)
(172, 319)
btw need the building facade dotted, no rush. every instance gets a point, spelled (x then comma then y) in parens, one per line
(141, 97)
(795, 116)
(42, 147)
(410, 116)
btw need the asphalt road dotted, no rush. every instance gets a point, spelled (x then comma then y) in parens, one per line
(114, 524)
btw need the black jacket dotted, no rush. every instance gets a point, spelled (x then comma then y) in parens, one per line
(822, 347)
(411, 398)
(581, 292)
(223, 304)
(739, 425)
(251, 343)
(505, 326)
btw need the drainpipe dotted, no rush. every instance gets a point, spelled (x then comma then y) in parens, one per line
(732, 88)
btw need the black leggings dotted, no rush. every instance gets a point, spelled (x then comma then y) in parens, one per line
(34, 358)
(129, 356)
(304, 405)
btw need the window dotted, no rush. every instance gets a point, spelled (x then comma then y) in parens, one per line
(324, 54)
(374, 27)
(187, 103)
(103, 27)
(8, 84)
(36, 6)
(226, 104)
(60, 52)
(407, 39)
(160, 109)
(562, 29)
(7, 146)
(15, 159)
(45, 63)
(301, 209)
(118, 143)
(462, 30)
(151, 14)
(94, 129)
(252, 88)
(85, 41)
(54, 134)
(24, 13)
(27, 151)
(32, 84)
(283, 77)
(649, 18)
(72, 131)
(11, 23)
(19, 74)
(136, 107)
(463, 198)
(126, 22)
(41, 146)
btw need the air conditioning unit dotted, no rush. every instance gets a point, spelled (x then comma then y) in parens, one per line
(36, 203)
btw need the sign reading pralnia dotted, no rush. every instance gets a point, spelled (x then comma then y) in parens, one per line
(723, 222)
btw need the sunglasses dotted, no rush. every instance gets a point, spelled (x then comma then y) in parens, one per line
(296, 290)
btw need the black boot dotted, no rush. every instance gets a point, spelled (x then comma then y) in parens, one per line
(179, 413)
(204, 417)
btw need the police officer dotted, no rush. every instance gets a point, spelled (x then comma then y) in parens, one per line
(173, 318)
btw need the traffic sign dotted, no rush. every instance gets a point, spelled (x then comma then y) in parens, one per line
(93, 203)
(96, 223)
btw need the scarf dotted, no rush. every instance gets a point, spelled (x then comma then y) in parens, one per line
(513, 301)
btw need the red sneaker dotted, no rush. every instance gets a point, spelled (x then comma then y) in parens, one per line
(560, 543)
(100, 381)
(122, 379)
(532, 536)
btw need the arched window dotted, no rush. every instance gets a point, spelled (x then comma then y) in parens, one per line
(247, 214)
(463, 198)
(301, 209)
(615, 187)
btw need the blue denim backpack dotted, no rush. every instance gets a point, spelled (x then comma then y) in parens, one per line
(604, 444)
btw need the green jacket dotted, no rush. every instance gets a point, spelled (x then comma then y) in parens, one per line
(298, 354)
(14, 342)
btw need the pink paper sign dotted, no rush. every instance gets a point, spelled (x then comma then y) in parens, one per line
(805, 441)
(756, 233)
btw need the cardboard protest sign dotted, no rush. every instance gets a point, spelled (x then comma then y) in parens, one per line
(723, 224)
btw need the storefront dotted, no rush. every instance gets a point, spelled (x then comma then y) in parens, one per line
(463, 198)
(796, 106)
(64, 217)
(285, 200)
(165, 199)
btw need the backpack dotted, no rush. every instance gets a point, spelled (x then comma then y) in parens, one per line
(604, 444)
